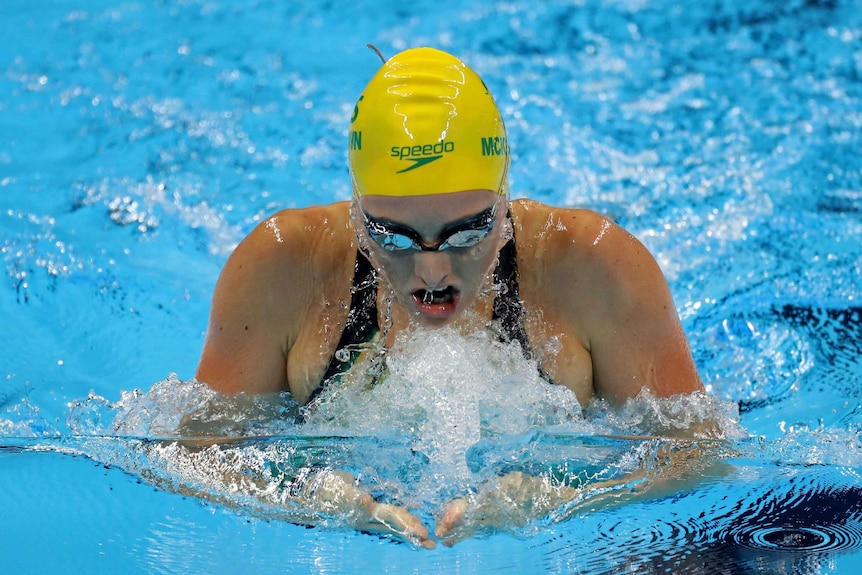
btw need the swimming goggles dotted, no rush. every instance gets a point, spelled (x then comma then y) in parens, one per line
(466, 233)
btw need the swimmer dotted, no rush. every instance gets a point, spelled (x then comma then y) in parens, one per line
(431, 238)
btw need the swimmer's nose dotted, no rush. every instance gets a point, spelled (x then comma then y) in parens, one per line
(433, 268)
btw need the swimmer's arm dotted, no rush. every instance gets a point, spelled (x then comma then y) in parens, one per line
(517, 499)
(250, 318)
(634, 335)
(312, 497)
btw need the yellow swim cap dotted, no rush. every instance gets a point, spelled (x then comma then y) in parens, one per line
(426, 124)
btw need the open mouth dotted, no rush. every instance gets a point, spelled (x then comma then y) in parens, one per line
(438, 303)
(431, 297)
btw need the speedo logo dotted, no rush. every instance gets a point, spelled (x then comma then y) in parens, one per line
(421, 155)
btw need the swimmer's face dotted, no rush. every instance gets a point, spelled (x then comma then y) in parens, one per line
(435, 251)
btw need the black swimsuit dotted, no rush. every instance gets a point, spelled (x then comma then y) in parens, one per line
(362, 326)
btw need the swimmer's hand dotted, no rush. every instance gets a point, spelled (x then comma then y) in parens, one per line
(337, 492)
(512, 500)
(515, 500)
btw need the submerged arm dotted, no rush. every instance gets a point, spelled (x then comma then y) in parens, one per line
(517, 499)
(219, 470)
(338, 493)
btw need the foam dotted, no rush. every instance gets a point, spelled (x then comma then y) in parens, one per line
(183, 409)
(700, 415)
(452, 414)
(447, 391)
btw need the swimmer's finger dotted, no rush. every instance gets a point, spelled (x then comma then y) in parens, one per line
(398, 521)
(463, 530)
(337, 491)
(451, 518)
(401, 522)
(461, 520)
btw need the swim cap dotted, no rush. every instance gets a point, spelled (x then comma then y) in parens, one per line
(426, 124)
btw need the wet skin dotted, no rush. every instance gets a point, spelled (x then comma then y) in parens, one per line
(436, 286)
(587, 286)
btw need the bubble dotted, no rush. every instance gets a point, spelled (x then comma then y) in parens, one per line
(441, 414)
(182, 409)
(703, 414)
(445, 391)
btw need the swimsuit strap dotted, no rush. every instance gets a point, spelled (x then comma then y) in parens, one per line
(361, 325)
(508, 309)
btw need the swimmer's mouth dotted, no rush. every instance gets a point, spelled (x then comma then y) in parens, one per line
(435, 297)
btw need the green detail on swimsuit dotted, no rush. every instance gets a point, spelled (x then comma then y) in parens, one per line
(373, 361)
(364, 361)
(355, 351)
(296, 476)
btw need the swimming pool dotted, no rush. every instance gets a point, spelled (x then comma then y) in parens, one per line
(142, 140)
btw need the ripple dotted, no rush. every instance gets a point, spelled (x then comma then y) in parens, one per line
(794, 539)
(823, 519)
(786, 524)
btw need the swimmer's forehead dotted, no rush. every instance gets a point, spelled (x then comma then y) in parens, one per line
(430, 211)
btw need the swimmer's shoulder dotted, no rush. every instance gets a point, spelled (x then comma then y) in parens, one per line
(288, 258)
(559, 232)
(579, 247)
(303, 239)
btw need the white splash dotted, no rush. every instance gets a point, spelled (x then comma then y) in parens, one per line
(448, 391)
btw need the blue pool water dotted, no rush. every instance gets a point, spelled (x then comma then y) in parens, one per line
(140, 141)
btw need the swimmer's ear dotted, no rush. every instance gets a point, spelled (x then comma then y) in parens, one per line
(377, 51)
